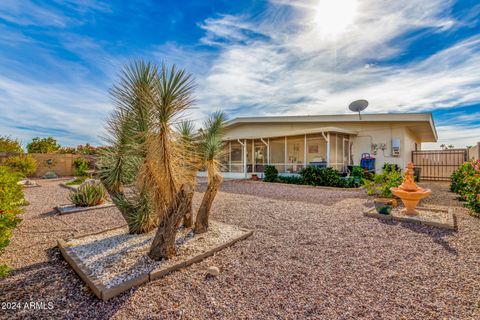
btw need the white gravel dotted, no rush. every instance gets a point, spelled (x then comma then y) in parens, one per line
(116, 256)
(313, 256)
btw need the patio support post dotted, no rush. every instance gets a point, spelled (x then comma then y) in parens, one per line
(244, 158)
(268, 148)
(328, 149)
(305, 151)
(229, 156)
(285, 155)
(253, 156)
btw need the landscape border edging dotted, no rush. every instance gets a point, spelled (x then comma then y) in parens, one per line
(81, 209)
(453, 226)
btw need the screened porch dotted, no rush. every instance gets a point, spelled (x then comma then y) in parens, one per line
(289, 153)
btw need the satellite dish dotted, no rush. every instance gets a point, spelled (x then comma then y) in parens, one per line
(358, 106)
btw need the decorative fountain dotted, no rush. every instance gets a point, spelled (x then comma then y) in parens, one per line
(409, 192)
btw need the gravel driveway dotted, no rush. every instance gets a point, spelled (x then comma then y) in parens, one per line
(313, 255)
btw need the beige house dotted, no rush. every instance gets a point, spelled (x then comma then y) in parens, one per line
(291, 143)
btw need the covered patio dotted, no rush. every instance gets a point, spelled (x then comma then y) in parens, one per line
(288, 151)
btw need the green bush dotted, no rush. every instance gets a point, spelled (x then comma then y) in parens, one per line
(389, 167)
(380, 184)
(11, 200)
(80, 166)
(88, 195)
(349, 182)
(43, 145)
(315, 176)
(290, 179)
(465, 181)
(25, 165)
(358, 172)
(10, 145)
(271, 174)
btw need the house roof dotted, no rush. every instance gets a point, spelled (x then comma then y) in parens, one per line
(421, 124)
(283, 133)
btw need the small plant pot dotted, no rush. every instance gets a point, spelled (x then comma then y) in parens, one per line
(394, 202)
(383, 206)
(255, 177)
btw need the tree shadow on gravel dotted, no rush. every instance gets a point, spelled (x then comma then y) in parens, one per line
(55, 282)
(436, 234)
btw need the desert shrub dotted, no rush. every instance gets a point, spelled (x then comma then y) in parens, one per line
(11, 200)
(465, 181)
(381, 183)
(43, 145)
(25, 165)
(88, 149)
(66, 150)
(315, 176)
(10, 145)
(77, 181)
(290, 179)
(458, 180)
(271, 174)
(80, 166)
(89, 194)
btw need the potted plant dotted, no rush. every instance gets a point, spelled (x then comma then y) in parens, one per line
(380, 185)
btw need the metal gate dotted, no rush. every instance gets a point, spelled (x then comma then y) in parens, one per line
(438, 164)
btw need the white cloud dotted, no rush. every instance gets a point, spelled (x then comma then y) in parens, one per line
(277, 62)
(282, 63)
(29, 109)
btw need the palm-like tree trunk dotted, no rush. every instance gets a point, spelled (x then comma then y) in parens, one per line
(188, 216)
(163, 245)
(201, 223)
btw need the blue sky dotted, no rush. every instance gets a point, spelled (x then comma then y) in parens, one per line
(59, 58)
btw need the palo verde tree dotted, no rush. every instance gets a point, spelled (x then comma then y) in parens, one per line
(210, 149)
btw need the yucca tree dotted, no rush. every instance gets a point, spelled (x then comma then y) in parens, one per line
(168, 169)
(128, 127)
(210, 148)
(186, 129)
(149, 171)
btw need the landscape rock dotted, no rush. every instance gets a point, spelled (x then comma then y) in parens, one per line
(213, 271)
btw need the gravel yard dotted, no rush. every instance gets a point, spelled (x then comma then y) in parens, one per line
(313, 255)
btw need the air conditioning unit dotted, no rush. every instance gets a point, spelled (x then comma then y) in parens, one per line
(395, 147)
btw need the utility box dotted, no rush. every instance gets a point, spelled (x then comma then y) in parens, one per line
(395, 147)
